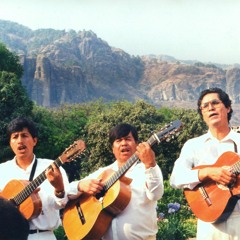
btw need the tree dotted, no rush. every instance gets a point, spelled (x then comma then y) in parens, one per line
(10, 62)
(13, 97)
(140, 114)
(192, 126)
(92, 121)
(58, 129)
(13, 102)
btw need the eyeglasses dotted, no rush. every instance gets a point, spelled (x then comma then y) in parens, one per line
(215, 103)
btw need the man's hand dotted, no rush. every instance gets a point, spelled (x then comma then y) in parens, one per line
(221, 175)
(146, 154)
(54, 176)
(90, 186)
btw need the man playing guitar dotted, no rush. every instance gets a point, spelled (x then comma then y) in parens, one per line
(138, 220)
(50, 196)
(195, 166)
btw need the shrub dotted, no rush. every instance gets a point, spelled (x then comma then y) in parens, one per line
(175, 218)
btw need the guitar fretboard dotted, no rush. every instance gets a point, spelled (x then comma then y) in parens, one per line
(170, 129)
(236, 167)
(152, 140)
(29, 189)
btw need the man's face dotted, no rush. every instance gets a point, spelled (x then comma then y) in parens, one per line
(214, 111)
(124, 148)
(22, 144)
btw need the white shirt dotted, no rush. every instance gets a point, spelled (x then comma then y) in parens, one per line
(139, 219)
(49, 218)
(205, 150)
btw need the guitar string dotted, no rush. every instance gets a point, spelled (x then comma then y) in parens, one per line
(23, 195)
(125, 167)
(165, 132)
(26, 192)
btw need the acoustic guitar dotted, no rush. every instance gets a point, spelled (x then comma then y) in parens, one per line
(89, 217)
(21, 192)
(211, 201)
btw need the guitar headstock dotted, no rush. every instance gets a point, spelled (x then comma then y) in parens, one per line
(73, 151)
(168, 131)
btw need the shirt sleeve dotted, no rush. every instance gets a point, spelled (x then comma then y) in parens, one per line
(61, 202)
(73, 192)
(182, 175)
(154, 183)
(48, 198)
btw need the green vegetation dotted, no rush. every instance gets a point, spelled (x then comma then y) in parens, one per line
(60, 127)
(13, 97)
(175, 219)
(9, 62)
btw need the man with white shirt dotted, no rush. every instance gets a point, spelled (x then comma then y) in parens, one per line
(215, 108)
(26, 166)
(139, 219)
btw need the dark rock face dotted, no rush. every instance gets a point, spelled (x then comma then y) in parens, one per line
(179, 82)
(80, 67)
(75, 67)
(233, 84)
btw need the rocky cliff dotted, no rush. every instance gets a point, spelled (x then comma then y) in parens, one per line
(74, 67)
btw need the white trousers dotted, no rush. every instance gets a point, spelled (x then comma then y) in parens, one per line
(227, 230)
(49, 235)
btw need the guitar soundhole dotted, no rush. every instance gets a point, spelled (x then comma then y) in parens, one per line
(101, 194)
(13, 202)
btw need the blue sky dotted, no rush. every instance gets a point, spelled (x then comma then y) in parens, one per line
(204, 30)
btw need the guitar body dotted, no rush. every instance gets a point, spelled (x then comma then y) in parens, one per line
(31, 207)
(24, 194)
(213, 202)
(97, 213)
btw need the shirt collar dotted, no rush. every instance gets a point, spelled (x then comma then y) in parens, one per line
(30, 166)
(116, 168)
(231, 136)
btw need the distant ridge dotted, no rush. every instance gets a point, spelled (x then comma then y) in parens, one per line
(74, 67)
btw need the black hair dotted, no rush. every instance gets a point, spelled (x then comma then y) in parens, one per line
(223, 96)
(13, 225)
(19, 123)
(122, 130)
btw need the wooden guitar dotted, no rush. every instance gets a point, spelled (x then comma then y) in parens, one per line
(88, 217)
(211, 201)
(21, 192)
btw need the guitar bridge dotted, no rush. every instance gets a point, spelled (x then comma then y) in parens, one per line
(80, 213)
(205, 196)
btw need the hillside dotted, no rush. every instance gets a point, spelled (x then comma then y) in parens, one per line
(75, 67)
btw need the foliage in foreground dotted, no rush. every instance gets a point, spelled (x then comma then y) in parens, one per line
(58, 128)
(175, 219)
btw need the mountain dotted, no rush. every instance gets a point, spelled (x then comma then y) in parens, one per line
(75, 67)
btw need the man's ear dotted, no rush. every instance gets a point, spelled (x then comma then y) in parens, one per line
(229, 109)
(35, 140)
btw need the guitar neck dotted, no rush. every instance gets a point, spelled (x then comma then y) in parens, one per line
(120, 172)
(236, 168)
(152, 140)
(29, 189)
